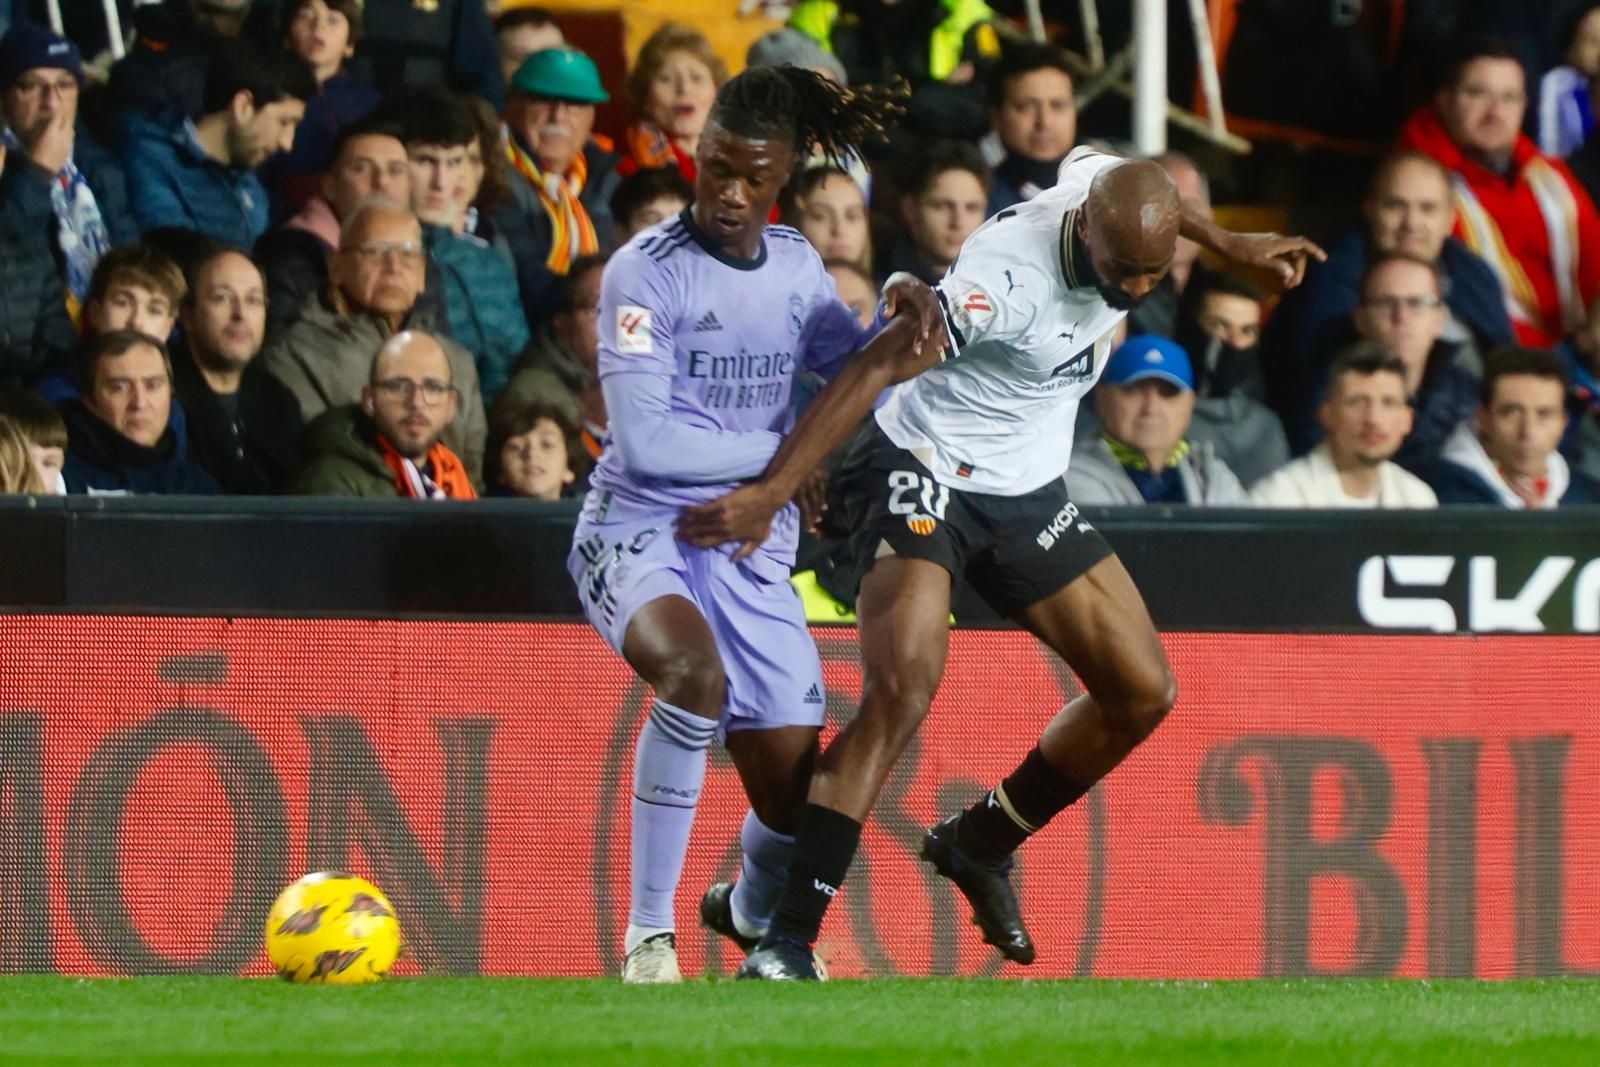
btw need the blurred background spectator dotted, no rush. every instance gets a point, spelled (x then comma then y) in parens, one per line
(561, 176)
(1505, 456)
(646, 197)
(559, 370)
(389, 443)
(522, 31)
(671, 86)
(243, 425)
(1145, 400)
(534, 452)
(324, 353)
(1364, 419)
(17, 471)
(119, 439)
(1033, 122)
(44, 436)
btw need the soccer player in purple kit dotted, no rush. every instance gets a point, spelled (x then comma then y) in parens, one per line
(705, 321)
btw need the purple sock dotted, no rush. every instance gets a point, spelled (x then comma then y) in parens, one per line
(669, 766)
(761, 874)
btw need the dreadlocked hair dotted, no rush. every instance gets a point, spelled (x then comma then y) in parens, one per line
(807, 109)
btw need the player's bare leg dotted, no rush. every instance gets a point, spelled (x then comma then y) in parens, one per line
(904, 611)
(670, 645)
(1099, 625)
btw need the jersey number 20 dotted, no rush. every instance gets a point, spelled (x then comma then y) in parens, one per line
(903, 484)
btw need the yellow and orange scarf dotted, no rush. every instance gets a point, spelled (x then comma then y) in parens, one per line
(573, 233)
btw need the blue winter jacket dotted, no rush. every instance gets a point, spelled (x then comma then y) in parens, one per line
(173, 182)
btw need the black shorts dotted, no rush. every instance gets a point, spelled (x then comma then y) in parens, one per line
(1014, 550)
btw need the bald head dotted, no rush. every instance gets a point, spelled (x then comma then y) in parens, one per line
(381, 215)
(1129, 230)
(410, 398)
(416, 350)
(380, 267)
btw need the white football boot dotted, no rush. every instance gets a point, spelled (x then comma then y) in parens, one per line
(653, 961)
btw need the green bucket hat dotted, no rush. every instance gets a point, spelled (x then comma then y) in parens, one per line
(560, 73)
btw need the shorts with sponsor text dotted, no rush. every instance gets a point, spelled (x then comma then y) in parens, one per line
(626, 559)
(1013, 550)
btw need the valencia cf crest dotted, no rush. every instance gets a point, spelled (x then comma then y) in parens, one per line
(921, 524)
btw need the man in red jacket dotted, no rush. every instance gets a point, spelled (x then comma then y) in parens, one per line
(1522, 211)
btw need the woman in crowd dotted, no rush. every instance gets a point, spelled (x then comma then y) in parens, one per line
(830, 209)
(671, 87)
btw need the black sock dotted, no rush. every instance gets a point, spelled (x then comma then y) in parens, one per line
(824, 845)
(1017, 808)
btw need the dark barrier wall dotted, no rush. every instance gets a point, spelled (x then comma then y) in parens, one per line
(1468, 570)
(1324, 805)
(1331, 796)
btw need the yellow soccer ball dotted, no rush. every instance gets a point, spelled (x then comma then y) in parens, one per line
(333, 928)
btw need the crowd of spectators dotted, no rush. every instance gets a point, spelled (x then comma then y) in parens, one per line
(354, 248)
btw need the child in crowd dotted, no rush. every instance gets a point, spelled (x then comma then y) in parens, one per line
(42, 430)
(534, 452)
(323, 35)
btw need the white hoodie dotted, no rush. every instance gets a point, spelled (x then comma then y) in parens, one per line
(1465, 450)
(1312, 481)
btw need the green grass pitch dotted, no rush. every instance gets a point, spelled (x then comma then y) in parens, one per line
(900, 1021)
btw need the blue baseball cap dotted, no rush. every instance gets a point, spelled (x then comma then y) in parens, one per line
(29, 47)
(1145, 355)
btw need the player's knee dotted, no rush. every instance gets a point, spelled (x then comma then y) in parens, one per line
(901, 695)
(1153, 698)
(693, 682)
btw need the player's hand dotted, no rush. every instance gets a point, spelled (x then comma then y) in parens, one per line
(907, 293)
(812, 500)
(743, 516)
(1284, 256)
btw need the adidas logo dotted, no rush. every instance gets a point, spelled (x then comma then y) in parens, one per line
(814, 694)
(708, 323)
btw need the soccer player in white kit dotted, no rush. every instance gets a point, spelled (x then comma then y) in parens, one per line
(960, 472)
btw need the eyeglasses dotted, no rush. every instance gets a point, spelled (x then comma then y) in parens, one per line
(1479, 94)
(403, 389)
(37, 87)
(405, 253)
(1393, 305)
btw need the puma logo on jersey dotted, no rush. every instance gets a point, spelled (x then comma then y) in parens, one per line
(1011, 284)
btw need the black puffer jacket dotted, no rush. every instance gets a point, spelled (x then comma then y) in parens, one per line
(36, 337)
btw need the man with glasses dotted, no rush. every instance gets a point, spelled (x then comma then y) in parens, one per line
(374, 279)
(1401, 307)
(56, 178)
(1408, 208)
(1522, 211)
(561, 175)
(388, 445)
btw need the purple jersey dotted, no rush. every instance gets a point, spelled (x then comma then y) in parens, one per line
(699, 352)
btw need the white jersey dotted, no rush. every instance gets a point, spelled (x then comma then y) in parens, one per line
(1029, 336)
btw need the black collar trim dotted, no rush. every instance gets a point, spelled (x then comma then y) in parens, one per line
(710, 247)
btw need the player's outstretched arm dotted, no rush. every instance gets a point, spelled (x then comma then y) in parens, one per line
(1284, 256)
(745, 514)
